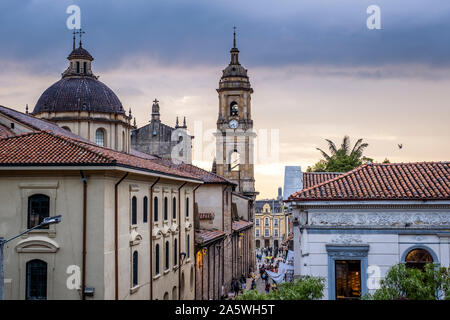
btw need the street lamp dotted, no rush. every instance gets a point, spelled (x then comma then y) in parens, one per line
(47, 221)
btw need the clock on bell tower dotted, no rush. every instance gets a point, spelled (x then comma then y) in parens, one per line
(234, 135)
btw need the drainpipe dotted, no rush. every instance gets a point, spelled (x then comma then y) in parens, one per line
(83, 268)
(116, 236)
(151, 237)
(179, 237)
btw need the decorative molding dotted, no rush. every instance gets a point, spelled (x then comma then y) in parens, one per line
(134, 188)
(135, 237)
(392, 219)
(37, 245)
(156, 233)
(38, 185)
(347, 239)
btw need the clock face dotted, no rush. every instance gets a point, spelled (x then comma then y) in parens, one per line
(233, 124)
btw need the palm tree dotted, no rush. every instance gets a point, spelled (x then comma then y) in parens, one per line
(342, 159)
(356, 152)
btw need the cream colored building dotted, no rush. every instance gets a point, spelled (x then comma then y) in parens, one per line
(270, 223)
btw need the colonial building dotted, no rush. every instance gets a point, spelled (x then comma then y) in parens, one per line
(270, 222)
(161, 140)
(352, 228)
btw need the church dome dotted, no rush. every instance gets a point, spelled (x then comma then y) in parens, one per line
(79, 89)
(82, 93)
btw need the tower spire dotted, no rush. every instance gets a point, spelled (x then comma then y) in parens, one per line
(234, 37)
(74, 33)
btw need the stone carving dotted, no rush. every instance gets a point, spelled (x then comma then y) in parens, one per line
(392, 219)
(347, 239)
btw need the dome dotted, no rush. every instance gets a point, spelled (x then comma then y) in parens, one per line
(80, 53)
(235, 70)
(79, 94)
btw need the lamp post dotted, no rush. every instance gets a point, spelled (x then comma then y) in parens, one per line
(47, 221)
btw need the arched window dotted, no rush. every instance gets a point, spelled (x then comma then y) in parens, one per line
(155, 209)
(191, 278)
(174, 208)
(188, 246)
(166, 209)
(167, 256)
(135, 268)
(166, 296)
(266, 222)
(187, 207)
(174, 293)
(38, 209)
(418, 258)
(157, 259)
(175, 252)
(145, 209)
(66, 128)
(234, 108)
(84, 67)
(100, 137)
(78, 67)
(36, 282)
(133, 210)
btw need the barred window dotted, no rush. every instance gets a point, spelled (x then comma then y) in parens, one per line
(38, 209)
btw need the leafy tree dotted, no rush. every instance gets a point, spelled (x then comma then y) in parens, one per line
(341, 159)
(401, 282)
(304, 288)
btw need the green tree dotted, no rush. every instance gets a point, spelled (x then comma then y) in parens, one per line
(401, 282)
(341, 159)
(304, 288)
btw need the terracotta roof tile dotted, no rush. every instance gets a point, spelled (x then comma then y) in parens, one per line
(47, 148)
(5, 132)
(312, 178)
(241, 225)
(384, 181)
(204, 236)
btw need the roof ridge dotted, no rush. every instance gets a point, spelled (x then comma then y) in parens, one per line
(342, 176)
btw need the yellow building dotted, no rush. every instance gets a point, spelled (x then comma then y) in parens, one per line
(270, 223)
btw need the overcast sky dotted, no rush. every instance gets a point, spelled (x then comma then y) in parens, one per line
(316, 69)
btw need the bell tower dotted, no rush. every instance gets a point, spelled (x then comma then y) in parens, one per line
(234, 135)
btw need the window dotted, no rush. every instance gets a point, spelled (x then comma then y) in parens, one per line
(257, 222)
(166, 209)
(418, 258)
(36, 282)
(188, 246)
(157, 259)
(66, 128)
(187, 207)
(275, 232)
(134, 210)
(266, 233)
(175, 251)
(348, 279)
(135, 268)
(78, 67)
(124, 146)
(145, 209)
(234, 108)
(266, 222)
(234, 161)
(167, 255)
(84, 67)
(257, 232)
(276, 222)
(38, 209)
(174, 208)
(155, 209)
(100, 137)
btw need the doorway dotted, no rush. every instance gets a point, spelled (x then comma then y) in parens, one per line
(348, 279)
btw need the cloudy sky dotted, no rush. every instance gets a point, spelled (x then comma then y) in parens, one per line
(317, 70)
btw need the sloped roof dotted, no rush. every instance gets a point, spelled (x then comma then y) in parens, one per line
(48, 148)
(384, 181)
(312, 178)
(5, 132)
(239, 225)
(37, 124)
(203, 236)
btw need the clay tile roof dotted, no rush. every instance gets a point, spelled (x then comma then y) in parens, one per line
(5, 132)
(47, 148)
(241, 225)
(312, 178)
(204, 236)
(384, 181)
